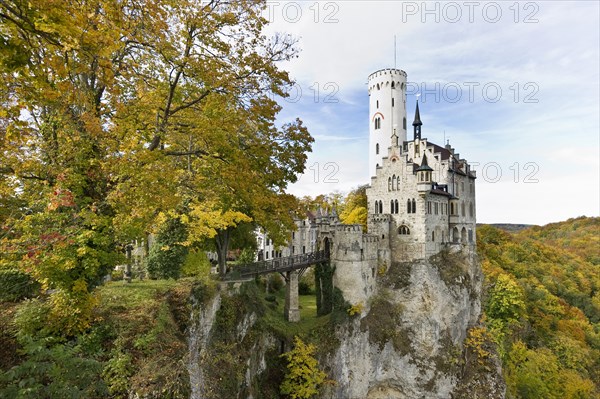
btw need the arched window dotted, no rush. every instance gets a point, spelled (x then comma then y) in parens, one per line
(396, 206)
(398, 183)
(394, 183)
(389, 184)
(376, 207)
(391, 206)
(393, 85)
(380, 206)
(414, 206)
(403, 230)
(377, 149)
(404, 123)
(408, 207)
(377, 86)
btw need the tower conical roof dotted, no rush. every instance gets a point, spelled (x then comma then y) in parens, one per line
(417, 121)
(424, 165)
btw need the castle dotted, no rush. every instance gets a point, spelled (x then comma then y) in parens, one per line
(421, 199)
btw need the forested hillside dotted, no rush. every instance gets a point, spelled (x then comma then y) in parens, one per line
(543, 307)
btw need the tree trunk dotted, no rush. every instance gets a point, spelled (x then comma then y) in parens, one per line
(222, 244)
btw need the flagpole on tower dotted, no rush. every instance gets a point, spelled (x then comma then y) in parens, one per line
(394, 51)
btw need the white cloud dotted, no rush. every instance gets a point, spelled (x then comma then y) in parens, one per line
(558, 56)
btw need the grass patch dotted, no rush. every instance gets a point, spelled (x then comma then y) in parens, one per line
(141, 329)
(309, 321)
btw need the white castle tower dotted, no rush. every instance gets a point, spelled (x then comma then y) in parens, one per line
(387, 113)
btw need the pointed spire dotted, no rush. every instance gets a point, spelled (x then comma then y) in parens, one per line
(417, 121)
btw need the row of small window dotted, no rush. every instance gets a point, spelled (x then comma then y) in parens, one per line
(377, 123)
(411, 206)
(462, 187)
(393, 85)
(393, 183)
(274, 254)
(392, 103)
(462, 236)
(436, 208)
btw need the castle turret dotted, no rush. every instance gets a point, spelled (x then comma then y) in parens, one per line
(387, 114)
(424, 176)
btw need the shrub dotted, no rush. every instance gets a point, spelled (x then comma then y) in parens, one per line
(304, 288)
(16, 285)
(53, 371)
(168, 254)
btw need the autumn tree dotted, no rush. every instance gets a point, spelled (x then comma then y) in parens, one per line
(355, 207)
(114, 113)
(303, 378)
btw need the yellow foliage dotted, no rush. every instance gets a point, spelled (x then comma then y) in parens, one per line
(356, 309)
(477, 337)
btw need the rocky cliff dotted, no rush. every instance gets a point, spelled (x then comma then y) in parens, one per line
(406, 341)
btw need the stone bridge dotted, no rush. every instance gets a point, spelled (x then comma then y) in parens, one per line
(291, 268)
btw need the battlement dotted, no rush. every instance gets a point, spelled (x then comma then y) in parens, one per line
(370, 238)
(380, 218)
(349, 228)
(388, 72)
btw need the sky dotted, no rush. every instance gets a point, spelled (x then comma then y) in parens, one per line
(513, 85)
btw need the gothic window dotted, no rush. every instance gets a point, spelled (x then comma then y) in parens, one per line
(394, 183)
(433, 236)
(403, 230)
(398, 183)
(391, 206)
(396, 206)
(393, 85)
(408, 207)
(267, 255)
(380, 206)
(376, 207)
(414, 206)
(389, 184)
(377, 148)
(471, 209)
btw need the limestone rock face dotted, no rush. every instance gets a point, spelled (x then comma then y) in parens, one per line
(408, 342)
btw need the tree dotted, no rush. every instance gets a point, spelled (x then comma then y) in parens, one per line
(116, 111)
(303, 378)
(355, 208)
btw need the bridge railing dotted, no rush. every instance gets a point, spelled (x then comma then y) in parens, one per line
(282, 264)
